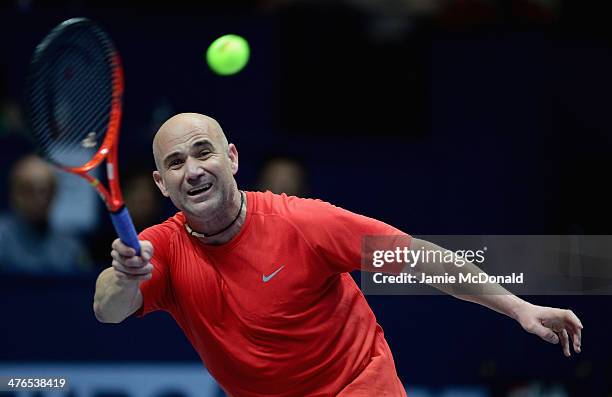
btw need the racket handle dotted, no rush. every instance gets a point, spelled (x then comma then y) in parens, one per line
(125, 229)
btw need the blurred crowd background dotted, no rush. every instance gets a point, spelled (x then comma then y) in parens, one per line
(438, 117)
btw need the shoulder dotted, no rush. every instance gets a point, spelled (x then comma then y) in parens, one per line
(166, 230)
(305, 213)
(269, 203)
(166, 238)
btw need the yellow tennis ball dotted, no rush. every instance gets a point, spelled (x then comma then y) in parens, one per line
(228, 54)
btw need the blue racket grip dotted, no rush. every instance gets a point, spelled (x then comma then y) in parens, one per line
(125, 229)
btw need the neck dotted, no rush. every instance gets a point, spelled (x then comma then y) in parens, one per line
(221, 229)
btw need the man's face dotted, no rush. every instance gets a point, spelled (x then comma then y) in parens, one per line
(196, 167)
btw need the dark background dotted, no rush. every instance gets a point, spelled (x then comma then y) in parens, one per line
(471, 117)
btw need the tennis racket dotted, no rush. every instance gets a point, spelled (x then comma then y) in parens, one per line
(73, 107)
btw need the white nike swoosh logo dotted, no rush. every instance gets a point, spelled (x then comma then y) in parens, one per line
(265, 278)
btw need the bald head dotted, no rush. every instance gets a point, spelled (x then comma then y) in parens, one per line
(196, 168)
(182, 125)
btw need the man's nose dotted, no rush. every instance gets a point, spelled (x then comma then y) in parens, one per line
(194, 168)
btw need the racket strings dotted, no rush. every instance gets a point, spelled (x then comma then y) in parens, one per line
(69, 108)
(64, 113)
(71, 93)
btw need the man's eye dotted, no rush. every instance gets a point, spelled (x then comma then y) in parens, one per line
(175, 163)
(204, 153)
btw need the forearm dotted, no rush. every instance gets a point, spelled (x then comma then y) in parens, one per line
(491, 295)
(504, 303)
(115, 298)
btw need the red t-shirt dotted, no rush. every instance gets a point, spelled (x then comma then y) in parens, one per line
(274, 312)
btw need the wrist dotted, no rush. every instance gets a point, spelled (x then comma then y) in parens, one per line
(517, 307)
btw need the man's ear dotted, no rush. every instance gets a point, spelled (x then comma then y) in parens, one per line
(232, 153)
(160, 183)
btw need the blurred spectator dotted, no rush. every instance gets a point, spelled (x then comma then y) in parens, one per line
(142, 198)
(11, 119)
(66, 215)
(76, 206)
(27, 244)
(283, 174)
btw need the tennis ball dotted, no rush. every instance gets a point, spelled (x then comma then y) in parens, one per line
(228, 54)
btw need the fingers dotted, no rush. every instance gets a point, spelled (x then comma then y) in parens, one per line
(127, 265)
(564, 338)
(555, 326)
(133, 265)
(549, 336)
(123, 249)
(577, 339)
(146, 250)
(543, 332)
(574, 326)
(133, 277)
(573, 319)
(126, 252)
(565, 323)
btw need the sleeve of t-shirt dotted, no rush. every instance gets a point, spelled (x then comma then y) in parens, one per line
(156, 292)
(340, 236)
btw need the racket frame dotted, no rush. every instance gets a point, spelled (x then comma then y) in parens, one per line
(112, 197)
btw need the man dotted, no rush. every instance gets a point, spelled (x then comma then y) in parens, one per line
(27, 243)
(259, 284)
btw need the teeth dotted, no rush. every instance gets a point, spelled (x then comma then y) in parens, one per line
(200, 189)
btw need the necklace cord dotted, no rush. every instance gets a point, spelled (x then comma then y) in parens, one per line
(196, 234)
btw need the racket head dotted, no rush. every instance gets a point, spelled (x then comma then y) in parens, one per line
(73, 106)
(73, 95)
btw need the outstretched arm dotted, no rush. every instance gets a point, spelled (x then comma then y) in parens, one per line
(118, 287)
(551, 324)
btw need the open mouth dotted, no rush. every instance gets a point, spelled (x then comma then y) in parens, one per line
(198, 190)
